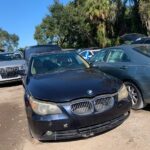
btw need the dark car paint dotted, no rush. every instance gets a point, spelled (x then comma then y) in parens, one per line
(137, 70)
(39, 49)
(77, 83)
(64, 88)
(39, 125)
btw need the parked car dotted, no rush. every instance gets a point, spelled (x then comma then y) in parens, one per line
(144, 40)
(131, 64)
(10, 64)
(66, 99)
(87, 54)
(131, 37)
(39, 49)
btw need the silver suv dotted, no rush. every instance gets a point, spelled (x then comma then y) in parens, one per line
(10, 65)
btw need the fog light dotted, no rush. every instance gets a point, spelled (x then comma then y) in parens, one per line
(49, 133)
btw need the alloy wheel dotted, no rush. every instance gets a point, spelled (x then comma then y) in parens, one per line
(133, 94)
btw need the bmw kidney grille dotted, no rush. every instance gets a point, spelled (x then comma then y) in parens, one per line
(88, 106)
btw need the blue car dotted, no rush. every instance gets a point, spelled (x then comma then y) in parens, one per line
(131, 64)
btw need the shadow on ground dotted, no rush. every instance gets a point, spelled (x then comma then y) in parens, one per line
(10, 84)
(147, 108)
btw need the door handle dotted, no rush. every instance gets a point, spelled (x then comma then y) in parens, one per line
(123, 67)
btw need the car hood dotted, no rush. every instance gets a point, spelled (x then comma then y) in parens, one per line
(69, 85)
(11, 63)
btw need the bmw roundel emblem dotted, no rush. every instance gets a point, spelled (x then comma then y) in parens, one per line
(90, 92)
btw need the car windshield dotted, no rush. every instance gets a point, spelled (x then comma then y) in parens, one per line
(145, 50)
(49, 63)
(9, 57)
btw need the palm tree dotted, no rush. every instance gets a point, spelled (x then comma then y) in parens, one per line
(101, 14)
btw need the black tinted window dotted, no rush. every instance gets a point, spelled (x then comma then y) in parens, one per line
(147, 41)
(142, 41)
(145, 50)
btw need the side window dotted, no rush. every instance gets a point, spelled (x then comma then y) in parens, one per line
(117, 55)
(141, 41)
(147, 41)
(100, 56)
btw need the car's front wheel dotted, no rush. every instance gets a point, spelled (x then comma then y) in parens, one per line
(135, 96)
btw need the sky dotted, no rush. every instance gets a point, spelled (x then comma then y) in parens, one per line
(21, 17)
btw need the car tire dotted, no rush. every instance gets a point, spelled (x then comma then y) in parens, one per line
(135, 96)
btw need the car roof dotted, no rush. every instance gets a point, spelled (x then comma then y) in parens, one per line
(127, 46)
(52, 52)
(134, 45)
(43, 45)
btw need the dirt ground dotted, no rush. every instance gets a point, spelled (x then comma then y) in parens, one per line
(133, 134)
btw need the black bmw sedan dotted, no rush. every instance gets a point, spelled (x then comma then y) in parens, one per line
(65, 98)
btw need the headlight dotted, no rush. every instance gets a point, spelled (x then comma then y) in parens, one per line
(123, 93)
(2, 70)
(44, 108)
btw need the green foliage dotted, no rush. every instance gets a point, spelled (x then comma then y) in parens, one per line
(88, 23)
(64, 25)
(8, 41)
(144, 10)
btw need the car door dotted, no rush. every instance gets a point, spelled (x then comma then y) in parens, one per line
(116, 64)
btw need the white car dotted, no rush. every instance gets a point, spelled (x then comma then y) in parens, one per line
(10, 65)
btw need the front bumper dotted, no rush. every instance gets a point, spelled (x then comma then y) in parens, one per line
(10, 80)
(84, 132)
(69, 126)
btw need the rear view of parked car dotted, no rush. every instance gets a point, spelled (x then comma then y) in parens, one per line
(10, 65)
(131, 64)
(39, 49)
(65, 98)
(144, 40)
